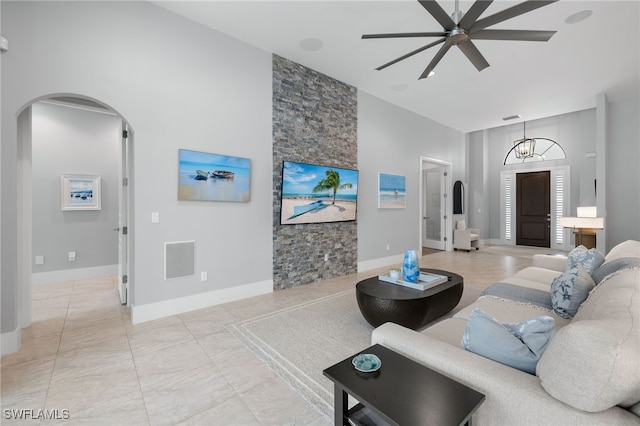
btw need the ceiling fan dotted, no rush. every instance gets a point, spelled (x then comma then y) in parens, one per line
(459, 29)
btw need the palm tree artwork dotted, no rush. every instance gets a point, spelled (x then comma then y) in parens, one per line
(331, 182)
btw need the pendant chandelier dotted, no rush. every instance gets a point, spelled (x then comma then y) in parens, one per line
(527, 150)
(525, 147)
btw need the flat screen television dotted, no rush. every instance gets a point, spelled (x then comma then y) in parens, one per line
(313, 193)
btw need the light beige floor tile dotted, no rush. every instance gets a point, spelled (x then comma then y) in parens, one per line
(47, 291)
(104, 317)
(182, 395)
(275, 403)
(39, 329)
(219, 344)
(128, 409)
(25, 385)
(99, 299)
(89, 336)
(207, 321)
(230, 412)
(243, 370)
(154, 335)
(153, 367)
(51, 308)
(83, 357)
(33, 349)
(92, 387)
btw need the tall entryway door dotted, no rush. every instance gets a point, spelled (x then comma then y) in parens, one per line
(434, 205)
(123, 218)
(533, 210)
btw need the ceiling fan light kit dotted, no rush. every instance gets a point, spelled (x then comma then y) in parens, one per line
(460, 29)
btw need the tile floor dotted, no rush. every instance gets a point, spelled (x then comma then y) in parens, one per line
(82, 354)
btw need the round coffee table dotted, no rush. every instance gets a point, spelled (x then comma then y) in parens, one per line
(382, 302)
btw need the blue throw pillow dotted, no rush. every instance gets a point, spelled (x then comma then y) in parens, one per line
(518, 345)
(569, 290)
(589, 259)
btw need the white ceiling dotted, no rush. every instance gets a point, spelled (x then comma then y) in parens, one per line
(532, 79)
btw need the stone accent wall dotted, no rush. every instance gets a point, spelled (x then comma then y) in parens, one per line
(314, 121)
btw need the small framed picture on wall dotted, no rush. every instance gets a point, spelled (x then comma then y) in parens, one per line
(80, 192)
(392, 191)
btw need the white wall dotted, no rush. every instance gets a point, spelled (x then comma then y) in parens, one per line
(392, 140)
(179, 85)
(68, 140)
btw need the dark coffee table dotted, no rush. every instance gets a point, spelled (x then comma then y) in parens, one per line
(401, 392)
(382, 302)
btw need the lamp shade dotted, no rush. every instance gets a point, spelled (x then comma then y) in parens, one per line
(589, 211)
(582, 222)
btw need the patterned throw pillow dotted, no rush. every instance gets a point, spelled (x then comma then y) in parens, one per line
(518, 345)
(569, 290)
(589, 259)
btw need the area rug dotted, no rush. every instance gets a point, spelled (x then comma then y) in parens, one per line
(298, 343)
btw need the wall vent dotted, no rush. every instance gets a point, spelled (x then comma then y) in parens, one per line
(179, 259)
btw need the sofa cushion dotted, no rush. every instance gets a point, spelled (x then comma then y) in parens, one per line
(615, 265)
(569, 290)
(519, 293)
(589, 259)
(592, 363)
(461, 225)
(517, 345)
(629, 248)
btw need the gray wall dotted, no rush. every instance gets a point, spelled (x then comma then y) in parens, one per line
(314, 121)
(179, 85)
(392, 140)
(73, 141)
(623, 172)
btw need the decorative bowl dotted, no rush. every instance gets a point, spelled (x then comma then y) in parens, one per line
(366, 363)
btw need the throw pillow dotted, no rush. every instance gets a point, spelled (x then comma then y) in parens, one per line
(569, 290)
(589, 259)
(518, 345)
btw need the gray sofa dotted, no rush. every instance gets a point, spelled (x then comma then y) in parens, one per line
(590, 371)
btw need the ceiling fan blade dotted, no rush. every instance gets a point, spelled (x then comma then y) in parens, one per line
(423, 48)
(400, 35)
(474, 13)
(435, 60)
(438, 13)
(473, 54)
(509, 13)
(517, 35)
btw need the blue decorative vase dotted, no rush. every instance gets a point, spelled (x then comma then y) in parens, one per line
(410, 268)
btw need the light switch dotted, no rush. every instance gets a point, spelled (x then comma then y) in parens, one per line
(155, 217)
(39, 260)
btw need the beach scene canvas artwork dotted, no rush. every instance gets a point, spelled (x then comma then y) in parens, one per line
(392, 191)
(313, 193)
(213, 177)
(80, 192)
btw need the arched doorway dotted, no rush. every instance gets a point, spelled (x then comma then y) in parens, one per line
(29, 186)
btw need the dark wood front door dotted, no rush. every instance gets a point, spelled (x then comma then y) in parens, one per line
(533, 213)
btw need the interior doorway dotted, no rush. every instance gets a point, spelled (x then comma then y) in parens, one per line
(25, 184)
(434, 211)
(533, 209)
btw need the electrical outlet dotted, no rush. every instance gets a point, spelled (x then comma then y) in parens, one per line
(39, 260)
(387, 247)
(326, 257)
(72, 256)
(203, 276)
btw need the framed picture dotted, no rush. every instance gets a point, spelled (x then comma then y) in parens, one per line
(212, 177)
(80, 192)
(392, 191)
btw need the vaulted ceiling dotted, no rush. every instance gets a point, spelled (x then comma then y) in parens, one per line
(532, 79)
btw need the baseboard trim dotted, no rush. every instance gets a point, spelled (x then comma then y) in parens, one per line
(166, 308)
(52, 277)
(10, 341)
(368, 265)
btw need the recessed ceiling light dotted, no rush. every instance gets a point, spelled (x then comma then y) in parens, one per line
(399, 87)
(431, 74)
(311, 44)
(578, 17)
